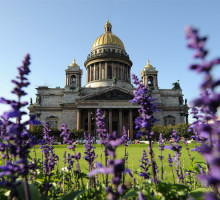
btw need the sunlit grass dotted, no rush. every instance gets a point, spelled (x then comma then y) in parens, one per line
(134, 156)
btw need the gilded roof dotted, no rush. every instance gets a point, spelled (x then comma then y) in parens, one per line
(74, 64)
(149, 66)
(108, 38)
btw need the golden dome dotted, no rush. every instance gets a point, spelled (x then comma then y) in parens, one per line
(74, 64)
(108, 38)
(149, 67)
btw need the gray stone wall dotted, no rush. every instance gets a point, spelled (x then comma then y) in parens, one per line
(69, 117)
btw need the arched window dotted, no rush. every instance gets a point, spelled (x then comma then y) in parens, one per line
(73, 81)
(109, 74)
(150, 81)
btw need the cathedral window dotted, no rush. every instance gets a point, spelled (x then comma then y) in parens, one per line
(109, 74)
(73, 81)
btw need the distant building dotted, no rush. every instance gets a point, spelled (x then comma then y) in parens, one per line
(108, 86)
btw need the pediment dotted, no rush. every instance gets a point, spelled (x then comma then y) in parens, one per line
(111, 94)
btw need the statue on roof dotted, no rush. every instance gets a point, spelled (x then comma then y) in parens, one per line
(176, 85)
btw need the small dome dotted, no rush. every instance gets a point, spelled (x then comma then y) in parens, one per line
(149, 67)
(74, 64)
(108, 38)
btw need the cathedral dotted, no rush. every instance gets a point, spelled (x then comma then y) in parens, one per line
(108, 86)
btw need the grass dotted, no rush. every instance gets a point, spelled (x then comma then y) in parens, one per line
(134, 155)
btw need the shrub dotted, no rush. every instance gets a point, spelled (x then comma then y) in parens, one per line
(182, 130)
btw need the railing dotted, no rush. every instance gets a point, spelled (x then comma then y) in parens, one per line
(108, 54)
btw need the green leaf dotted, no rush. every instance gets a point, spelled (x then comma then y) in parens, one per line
(72, 195)
(130, 194)
(198, 194)
(33, 191)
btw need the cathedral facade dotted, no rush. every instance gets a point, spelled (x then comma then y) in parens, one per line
(108, 86)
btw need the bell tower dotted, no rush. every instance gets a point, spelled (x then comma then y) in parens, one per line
(149, 76)
(73, 76)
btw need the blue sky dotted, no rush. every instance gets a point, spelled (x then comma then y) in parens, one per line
(56, 32)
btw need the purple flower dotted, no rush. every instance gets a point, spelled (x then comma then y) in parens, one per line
(89, 150)
(143, 98)
(145, 164)
(205, 110)
(16, 140)
(114, 166)
(170, 160)
(66, 137)
(70, 161)
(176, 148)
(101, 128)
(50, 159)
(146, 120)
(161, 142)
(125, 137)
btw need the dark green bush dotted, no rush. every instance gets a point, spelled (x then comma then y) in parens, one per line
(182, 130)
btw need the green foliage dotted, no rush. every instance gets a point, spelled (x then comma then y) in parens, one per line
(72, 195)
(172, 191)
(182, 130)
(37, 131)
(78, 134)
(34, 193)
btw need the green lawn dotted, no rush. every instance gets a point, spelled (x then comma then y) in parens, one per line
(134, 152)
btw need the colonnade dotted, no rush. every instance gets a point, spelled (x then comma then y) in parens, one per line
(108, 70)
(122, 116)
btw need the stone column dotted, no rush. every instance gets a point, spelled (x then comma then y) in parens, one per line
(120, 122)
(112, 69)
(90, 73)
(110, 121)
(106, 70)
(131, 136)
(94, 73)
(129, 74)
(87, 75)
(79, 119)
(66, 80)
(89, 122)
(100, 70)
(118, 73)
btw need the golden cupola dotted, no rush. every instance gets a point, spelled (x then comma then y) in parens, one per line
(108, 38)
(108, 61)
(149, 76)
